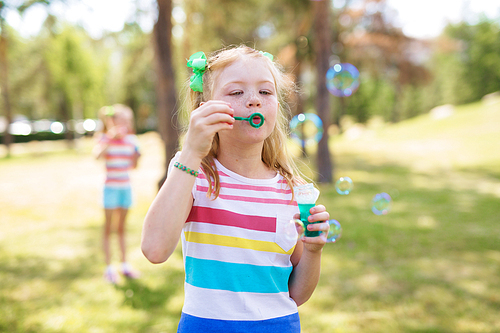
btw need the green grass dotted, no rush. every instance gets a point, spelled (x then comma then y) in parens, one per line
(430, 265)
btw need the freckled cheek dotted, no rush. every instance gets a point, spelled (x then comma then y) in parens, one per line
(237, 104)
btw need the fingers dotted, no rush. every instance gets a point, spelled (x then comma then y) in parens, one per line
(320, 226)
(317, 209)
(318, 222)
(210, 113)
(318, 213)
(209, 118)
(211, 107)
(315, 244)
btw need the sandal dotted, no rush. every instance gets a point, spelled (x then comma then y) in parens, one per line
(110, 275)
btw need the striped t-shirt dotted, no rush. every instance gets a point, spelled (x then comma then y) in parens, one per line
(236, 252)
(119, 156)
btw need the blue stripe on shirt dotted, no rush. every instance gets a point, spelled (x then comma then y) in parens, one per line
(192, 324)
(213, 274)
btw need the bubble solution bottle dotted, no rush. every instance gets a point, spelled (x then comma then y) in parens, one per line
(306, 196)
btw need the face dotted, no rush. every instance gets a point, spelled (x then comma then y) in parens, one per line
(248, 85)
(119, 123)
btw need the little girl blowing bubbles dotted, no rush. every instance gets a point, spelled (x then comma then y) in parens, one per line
(118, 146)
(229, 197)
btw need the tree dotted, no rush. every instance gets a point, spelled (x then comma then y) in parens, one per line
(165, 87)
(478, 58)
(322, 52)
(75, 82)
(4, 65)
(137, 76)
(382, 52)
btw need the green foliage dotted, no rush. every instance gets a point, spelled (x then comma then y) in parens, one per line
(136, 77)
(209, 28)
(24, 66)
(464, 67)
(375, 97)
(411, 102)
(473, 70)
(26, 4)
(63, 68)
(74, 73)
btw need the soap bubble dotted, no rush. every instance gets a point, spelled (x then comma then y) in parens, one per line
(344, 185)
(335, 231)
(302, 230)
(381, 203)
(288, 229)
(342, 80)
(302, 42)
(307, 128)
(299, 226)
(333, 234)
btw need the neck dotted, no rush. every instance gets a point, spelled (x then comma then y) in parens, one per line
(245, 161)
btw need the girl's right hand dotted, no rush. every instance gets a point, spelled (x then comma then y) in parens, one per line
(117, 132)
(209, 118)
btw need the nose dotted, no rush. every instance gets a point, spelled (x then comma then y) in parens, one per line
(254, 101)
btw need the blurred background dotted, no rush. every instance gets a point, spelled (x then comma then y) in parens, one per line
(423, 126)
(62, 60)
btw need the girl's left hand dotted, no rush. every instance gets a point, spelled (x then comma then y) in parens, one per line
(318, 214)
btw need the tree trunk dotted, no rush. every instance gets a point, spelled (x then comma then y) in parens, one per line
(322, 45)
(66, 115)
(298, 102)
(7, 138)
(165, 86)
(341, 113)
(396, 109)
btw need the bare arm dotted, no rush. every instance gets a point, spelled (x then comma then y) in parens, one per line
(168, 212)
(306, 259)
(135, 159)
(100, 149)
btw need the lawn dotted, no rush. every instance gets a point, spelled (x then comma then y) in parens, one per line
(432, 264)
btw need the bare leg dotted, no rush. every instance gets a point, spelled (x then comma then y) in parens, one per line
(107, 232)
(126, 268)
(122, 218)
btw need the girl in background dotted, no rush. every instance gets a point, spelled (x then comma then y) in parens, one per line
(118, 147)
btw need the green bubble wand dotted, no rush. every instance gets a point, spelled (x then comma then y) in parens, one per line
(251, 119)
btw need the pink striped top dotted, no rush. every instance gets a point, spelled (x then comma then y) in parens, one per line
(237, 249)
(119, 156)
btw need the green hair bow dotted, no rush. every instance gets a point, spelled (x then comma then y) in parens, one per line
(267, 55)
(198, 62)
(110, 111)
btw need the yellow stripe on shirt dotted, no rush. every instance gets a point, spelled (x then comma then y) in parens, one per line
(231, 241)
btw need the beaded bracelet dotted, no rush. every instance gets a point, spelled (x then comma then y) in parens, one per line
(185, 168)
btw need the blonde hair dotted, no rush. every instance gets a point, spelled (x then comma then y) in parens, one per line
(275, 154)
(107, 112)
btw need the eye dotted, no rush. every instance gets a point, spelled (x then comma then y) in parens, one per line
(234, 93)
(266, 92)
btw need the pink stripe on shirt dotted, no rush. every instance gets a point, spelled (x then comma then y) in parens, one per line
(255, 188)
(250, 187)
(246, 199)
(227, 218)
